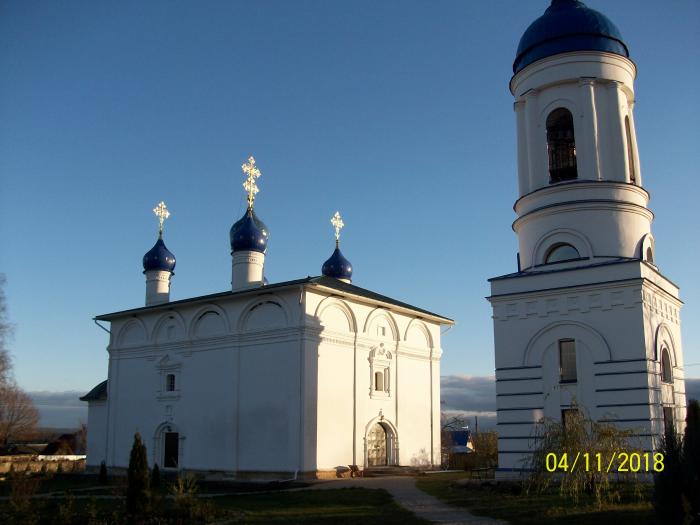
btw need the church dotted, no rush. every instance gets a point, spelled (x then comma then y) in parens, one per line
(587, 322)
(302, 378)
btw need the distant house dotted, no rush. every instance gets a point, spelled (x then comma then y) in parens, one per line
(65, 444)
(461, 441)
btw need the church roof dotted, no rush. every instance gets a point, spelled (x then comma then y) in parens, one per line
(568, 25)
(96, 394)
(319, 281)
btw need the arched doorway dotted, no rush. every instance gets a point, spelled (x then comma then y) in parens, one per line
(168, 446)
(377, 446)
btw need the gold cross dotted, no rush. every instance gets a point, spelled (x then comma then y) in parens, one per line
(162, 213)
(337, 222)
(249, 185)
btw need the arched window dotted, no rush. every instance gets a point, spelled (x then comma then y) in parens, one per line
(561, 252)
(630, 152)
(170, 383)
(561, 146)
(666, 372)
(378, 381)
(650, 255)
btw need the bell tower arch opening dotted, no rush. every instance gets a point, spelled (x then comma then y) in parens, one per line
(561, 146)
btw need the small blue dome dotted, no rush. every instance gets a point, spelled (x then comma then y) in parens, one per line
(159, 258)
(249, 233)
(568, 25)
(337, 266)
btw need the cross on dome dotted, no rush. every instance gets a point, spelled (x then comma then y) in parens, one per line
(161, 211)
(338, 224)
(252, 172)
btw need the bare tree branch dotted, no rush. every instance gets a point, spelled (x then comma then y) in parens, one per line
(18, 415)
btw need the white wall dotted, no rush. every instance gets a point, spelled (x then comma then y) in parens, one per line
(272, 381)
(97, 428)
(613, 314)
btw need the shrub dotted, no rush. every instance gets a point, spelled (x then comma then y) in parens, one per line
(580, 435)
(137, 479)
(155, 477)
(691, 455)
(486, 447)
(102, 477)
(677, 487)
(668, 484)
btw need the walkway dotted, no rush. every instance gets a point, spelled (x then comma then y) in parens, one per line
(406, 494)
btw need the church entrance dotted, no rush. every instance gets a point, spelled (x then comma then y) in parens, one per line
(377, 446)
(171, 441)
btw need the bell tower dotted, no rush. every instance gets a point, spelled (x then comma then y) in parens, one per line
(587, 320)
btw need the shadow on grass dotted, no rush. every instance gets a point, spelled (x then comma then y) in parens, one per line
(353, 505)
(504, 500)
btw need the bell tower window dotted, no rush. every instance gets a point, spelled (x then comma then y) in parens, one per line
(561, 146)
(666, 373)
(561, 252)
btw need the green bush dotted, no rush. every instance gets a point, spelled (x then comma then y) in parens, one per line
(155, 477)
(677, 487)
(580, 435)
(137, 479)
(102, 477)
(691, 456)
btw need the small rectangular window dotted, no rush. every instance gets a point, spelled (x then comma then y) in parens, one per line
(381, 330)
(567, 361)
(170, 386)
(378, 381)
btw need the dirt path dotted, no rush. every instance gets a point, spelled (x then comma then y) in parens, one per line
(406, 494)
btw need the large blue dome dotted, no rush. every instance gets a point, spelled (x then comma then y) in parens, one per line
(249, 233)
(159, 258)
(337, 266)
(568, 25)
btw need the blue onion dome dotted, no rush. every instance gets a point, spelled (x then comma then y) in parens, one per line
(337, 266)
(159, 258)
(249, 233)
(568, 25)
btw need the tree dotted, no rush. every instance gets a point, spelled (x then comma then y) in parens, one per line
(18, 415)
(668, 484)
(81, 438)
(677, 486)
(5, 334)
(155, 477)
(565, 440)
(691, 454)
(486, 447)
(137, 479)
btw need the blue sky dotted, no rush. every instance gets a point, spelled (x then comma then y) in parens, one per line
(396, 113)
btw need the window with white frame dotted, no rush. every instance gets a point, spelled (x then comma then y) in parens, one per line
(567, 361)
(666, 370)
(380, 360)
(168, 378)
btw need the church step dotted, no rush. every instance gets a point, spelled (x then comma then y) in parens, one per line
(376, 472)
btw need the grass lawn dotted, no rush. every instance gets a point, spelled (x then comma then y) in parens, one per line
(535, 509)
(355, 505)
(339, 506)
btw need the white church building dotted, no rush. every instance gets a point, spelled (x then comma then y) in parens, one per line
(297, 378)
(588, 321)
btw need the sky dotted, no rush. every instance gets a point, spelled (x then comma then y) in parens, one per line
(396, 113)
